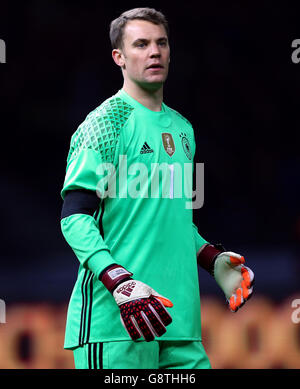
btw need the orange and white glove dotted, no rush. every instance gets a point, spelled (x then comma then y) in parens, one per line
(234, 278)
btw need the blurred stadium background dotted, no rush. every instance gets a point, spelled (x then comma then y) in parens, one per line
(232, 76)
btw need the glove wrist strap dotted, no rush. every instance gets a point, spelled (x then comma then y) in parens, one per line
(207, 256)
(113, 276)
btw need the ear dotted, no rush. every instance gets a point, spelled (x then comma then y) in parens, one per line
(118, 57)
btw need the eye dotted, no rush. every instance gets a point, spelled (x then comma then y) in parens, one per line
(141, 44)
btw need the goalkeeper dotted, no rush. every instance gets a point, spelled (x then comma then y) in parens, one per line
(136, 302)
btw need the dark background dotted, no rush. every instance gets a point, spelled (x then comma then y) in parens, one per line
(231, 75)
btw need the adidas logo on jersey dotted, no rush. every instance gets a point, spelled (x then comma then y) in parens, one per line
(146, 149)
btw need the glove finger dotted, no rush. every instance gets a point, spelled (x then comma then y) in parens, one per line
(236, 300)
(141, 323)
(236, 259)
(231, 304)
(166, 302)
(231, 258)
(155, 321)
(245, 289)
(239, 297)
(250, 294)
(132, 330)
(248, 276)
(127, 311)
(161, 311)
(154, 324)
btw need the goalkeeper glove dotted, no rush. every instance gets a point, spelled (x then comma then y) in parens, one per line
(235, 279)
(142, 309)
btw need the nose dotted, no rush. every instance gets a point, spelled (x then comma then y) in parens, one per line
(154, 51)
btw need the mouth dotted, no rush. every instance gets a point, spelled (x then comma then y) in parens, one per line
(155, 67)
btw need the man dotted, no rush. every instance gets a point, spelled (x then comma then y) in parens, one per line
(138, 248)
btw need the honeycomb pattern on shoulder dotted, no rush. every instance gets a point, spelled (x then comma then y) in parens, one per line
(101, 129)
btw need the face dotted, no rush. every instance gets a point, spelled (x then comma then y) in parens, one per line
(145, 54)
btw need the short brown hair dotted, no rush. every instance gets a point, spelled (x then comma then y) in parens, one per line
(117, 26)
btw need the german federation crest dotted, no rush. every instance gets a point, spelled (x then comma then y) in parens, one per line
(186, 145)
(168, 143)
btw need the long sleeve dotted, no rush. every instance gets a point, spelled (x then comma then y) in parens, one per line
(78, 223)
(83, 235)
(93, 145)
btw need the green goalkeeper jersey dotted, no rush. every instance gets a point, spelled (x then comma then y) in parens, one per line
(139, 163)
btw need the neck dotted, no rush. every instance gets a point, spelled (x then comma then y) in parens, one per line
(151, 99)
